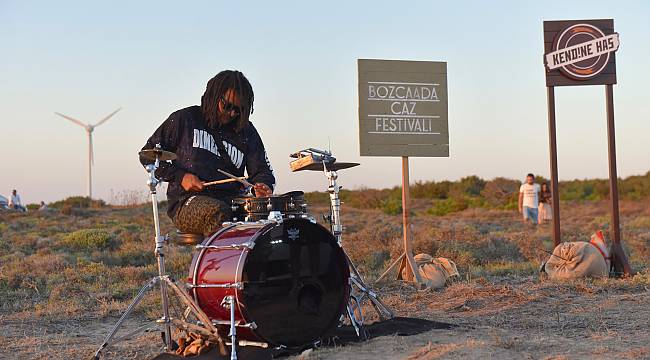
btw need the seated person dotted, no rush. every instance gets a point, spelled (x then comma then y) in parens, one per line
(14, 202)
(215, 135)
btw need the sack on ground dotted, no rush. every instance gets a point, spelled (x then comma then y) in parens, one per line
(434, 271)
(572, 260)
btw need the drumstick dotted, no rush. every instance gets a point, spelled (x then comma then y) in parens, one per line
(240, 179)
(224, 181)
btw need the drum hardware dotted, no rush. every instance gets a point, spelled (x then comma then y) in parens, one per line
(236, 285)
(275, 216)
(228, 302)
(246, 245)
(157, 155)
(355, 312)
(238, 323)
(329, 167)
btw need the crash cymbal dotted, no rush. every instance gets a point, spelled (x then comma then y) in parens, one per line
(333, 167)
(153, 154)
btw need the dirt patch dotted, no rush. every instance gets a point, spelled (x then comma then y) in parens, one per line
(520, 319)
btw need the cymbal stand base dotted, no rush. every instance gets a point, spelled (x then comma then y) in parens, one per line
(164, 280)
(205, 327)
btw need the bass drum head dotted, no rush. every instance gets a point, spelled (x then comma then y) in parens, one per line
(296, 283)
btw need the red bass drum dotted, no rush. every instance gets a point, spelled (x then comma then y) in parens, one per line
(289, 278)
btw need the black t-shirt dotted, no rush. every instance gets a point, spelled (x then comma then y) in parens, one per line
(185, 133)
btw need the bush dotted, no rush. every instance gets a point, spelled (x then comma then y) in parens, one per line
(364, 198)
(32, 207)
(87, 240)
(470, 185)
(635, 187)
(392, 206)
(447, 206)
(430, 189)
(79, 202)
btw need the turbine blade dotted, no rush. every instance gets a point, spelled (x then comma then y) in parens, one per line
(106, 118)
(71, 119)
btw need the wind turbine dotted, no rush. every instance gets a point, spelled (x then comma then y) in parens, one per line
(89, 129)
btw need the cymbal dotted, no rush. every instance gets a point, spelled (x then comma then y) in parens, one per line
(153, 154)
(332, 167)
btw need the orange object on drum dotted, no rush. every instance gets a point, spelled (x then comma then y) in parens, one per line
(289, 278)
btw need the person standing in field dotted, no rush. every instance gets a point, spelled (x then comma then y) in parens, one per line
(545, 210)
(529, 199)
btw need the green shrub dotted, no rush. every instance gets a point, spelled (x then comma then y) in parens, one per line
(447, 206)
(79, 202)
(392, 206)
(469, 185)
(87, 239)
(430, 189)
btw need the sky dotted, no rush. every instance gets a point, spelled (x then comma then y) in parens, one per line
(85, 59)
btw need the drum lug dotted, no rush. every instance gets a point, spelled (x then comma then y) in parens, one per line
(275, 216)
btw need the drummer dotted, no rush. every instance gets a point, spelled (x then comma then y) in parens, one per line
(217, 135)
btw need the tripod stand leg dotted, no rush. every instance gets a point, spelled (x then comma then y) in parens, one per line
(107, 341)
(357, 280)
(193, 307)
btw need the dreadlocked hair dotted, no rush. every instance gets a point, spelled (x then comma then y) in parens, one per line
(216, 90)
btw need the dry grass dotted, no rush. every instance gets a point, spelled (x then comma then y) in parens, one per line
(61, 271)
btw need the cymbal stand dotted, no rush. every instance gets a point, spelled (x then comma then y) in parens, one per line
(203, 325)
(354, 311)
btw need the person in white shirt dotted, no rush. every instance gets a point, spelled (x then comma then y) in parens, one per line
(529, 199)
(14, 201)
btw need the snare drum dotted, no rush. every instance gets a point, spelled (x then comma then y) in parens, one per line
(289, 205)
(289, 279)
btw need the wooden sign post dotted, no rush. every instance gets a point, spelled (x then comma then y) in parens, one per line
(403, 112)
(581, 52)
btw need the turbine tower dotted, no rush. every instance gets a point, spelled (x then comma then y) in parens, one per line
(89, 130)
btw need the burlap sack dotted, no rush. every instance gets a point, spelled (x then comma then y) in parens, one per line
(572, 260)
(434, 272)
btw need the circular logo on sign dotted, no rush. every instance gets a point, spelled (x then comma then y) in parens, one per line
(575, 35)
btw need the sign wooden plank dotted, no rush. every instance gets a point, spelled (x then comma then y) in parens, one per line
(580, 52)
(403, 108)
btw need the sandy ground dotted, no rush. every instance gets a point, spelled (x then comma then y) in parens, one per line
(514, 318)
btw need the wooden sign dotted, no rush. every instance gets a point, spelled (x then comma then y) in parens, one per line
(580, 52)
(403, 108)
